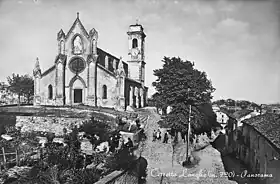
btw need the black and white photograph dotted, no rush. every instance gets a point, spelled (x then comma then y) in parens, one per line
(140, 92)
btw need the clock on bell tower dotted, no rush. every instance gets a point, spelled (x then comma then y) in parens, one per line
(136, 54)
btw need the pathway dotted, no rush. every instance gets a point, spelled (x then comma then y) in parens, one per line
(159, 157)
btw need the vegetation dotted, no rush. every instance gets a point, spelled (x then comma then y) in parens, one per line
(179, 85)
(66, 164)
(23, 85)
(96, 127)
(243, 104)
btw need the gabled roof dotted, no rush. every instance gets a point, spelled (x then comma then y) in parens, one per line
(267, 125)
(48, 70)
(239, 114)
(101, 59)
(77, 21)
(230, 116)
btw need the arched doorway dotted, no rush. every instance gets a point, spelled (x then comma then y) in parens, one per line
(78, 95)
(77, 91)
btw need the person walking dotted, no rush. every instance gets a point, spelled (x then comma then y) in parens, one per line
(165, 138)
(158, 134)
(129, 143)
(154, 135)
(121, 143)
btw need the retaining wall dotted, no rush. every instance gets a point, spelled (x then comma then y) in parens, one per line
(47, 124)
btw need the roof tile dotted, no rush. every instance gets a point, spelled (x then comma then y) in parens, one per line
(268, 125)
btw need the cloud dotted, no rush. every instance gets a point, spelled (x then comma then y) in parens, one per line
(231, 28)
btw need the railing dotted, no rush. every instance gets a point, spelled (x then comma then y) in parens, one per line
(111, 178)
(8, 160)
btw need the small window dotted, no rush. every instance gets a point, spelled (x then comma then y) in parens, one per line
(111, 65)
(104, 92)
(62, 47)
(93, 46)
(50, 90)
(134, 43)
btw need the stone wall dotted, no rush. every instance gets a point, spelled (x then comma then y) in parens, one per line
(47, 124)
(104, 78)
(45, 81)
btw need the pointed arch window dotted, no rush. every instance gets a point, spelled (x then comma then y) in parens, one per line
(50, 92)
(77, 45)
(61, 47)
(134, 43)
(104, 92)
(93, 45)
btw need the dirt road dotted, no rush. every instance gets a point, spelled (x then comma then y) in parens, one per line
(161, 170)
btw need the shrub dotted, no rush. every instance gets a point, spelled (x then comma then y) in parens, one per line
(120, 160)
(97, 127)
(50, 137)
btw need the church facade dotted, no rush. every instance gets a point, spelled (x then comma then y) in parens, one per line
(83, 73)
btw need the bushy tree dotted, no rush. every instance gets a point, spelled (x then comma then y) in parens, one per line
(23, 85)
(179, 85)
(96, 127)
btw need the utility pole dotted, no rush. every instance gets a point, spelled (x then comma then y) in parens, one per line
(188, 133)
(189, 127)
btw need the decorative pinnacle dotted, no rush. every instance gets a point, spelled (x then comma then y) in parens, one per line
(137, 21)
(37, 65)
(77, 14)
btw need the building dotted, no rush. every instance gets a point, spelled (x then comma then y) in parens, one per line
(260, 146)
(242, 115)
(83, 73)
(239, 116)
(221, 117)
(215, 107)
(231, 128)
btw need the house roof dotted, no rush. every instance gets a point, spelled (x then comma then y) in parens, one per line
(228, 114)
(241, 113)
(267, 125)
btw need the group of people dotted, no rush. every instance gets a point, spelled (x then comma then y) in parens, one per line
(157, 136)
(115, 143)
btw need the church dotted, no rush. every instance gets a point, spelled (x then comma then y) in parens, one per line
(84, 74)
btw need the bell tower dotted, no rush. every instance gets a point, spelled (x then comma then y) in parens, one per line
(136, 54)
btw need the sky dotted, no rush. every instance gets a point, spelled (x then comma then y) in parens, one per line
(237, 43)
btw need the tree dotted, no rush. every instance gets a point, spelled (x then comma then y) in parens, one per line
(23, 85)
(178, 85)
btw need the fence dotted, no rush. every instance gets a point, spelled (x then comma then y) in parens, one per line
(8, 160)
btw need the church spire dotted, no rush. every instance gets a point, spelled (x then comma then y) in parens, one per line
(120, 67)
(37, 64)
(121, 70)
(37, 69)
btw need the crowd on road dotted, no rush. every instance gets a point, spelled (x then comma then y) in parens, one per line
(157, 136)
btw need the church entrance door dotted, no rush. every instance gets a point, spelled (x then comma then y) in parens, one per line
(78, 95)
